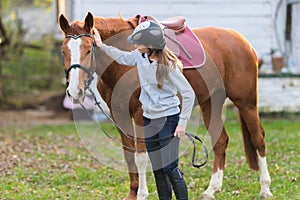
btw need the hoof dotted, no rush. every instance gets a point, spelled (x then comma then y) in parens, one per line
(266, 195)
(206, 197)
(142, 195)
(130, 196)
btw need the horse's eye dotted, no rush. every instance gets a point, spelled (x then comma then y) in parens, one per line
(89, 51)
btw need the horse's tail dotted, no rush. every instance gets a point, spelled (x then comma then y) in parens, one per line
(250, 151)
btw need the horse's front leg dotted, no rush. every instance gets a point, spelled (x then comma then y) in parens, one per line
(136, 161)
(141, 160)
(129, 155)
(137, 167)
(126, 131)
(141, 156)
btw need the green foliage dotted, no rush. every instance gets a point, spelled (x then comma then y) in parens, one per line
(51, 162)
(8, 5)
(24, 69)
(43, 3)
(32, 70)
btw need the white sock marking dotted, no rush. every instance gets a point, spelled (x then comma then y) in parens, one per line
(141, 161)
(215, 184)
(265, 180)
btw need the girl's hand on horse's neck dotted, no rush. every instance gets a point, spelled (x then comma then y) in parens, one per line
(97, 37)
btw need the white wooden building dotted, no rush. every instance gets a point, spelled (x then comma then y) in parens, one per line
(267, 24)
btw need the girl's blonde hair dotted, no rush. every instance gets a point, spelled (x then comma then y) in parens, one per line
(166, 61)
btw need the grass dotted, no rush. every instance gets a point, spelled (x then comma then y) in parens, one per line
(58, 162)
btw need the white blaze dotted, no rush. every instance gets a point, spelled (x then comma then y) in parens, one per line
(74, 46)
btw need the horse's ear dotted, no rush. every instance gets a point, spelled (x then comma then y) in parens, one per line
(64, 24)
(89, 22)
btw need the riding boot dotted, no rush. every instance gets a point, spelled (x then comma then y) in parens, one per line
(163, 185)
(179, 185)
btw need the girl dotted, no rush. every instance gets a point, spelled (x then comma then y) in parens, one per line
(161, 79)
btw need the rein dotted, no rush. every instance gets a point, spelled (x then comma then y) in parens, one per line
(90, 72)
(191, 136)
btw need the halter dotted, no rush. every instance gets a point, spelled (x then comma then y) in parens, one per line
(74, 66)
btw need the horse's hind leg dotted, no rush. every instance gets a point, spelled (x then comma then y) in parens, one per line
(253, 135)
(212, 116)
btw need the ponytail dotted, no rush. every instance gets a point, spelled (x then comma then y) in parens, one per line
(166, 61)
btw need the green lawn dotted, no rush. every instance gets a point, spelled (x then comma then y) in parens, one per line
(58, 162)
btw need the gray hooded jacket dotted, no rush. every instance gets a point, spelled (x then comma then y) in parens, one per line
(157, 102)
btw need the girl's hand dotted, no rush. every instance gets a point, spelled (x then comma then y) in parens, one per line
(179, 131)
(97, 37)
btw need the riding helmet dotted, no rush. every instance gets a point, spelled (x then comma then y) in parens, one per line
(148, 33)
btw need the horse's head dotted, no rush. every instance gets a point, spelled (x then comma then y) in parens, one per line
(78, 51)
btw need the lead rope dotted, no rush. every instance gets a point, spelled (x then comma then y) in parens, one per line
(192, 137)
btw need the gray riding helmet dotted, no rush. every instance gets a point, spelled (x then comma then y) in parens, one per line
(148, 33)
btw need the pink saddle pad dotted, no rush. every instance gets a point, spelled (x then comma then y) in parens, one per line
(194, 48)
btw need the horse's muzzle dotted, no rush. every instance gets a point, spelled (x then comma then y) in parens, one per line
(77, 97)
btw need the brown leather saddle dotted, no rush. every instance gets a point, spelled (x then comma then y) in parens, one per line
(176, 23)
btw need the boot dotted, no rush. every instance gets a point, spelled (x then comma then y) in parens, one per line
(179, 185)
(163, 185)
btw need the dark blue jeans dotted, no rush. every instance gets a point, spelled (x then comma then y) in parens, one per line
(162, 146)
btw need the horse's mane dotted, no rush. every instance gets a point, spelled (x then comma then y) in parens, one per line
(107, 26)
(77, 27)
(111, 26)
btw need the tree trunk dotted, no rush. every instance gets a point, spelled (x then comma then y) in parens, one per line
(4, 42)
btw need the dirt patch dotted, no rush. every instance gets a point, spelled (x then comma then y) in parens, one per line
(47, 109)
(31, 117)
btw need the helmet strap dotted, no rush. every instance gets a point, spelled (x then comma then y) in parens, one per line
(150, 54)
(150, 51)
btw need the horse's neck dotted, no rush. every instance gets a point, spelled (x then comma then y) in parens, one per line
(110, 27)
(114, 32)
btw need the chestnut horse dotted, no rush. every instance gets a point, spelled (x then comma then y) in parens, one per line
(230, 72)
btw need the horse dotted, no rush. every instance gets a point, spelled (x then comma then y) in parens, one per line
(230, 71)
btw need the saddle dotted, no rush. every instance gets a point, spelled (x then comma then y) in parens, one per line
(181, 40)
(176, 24)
